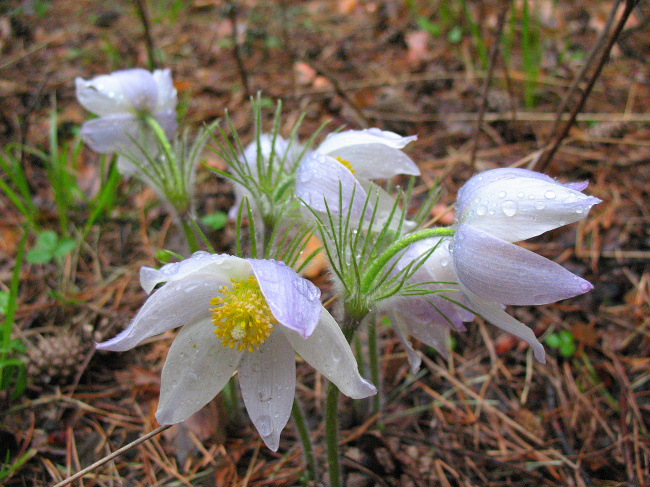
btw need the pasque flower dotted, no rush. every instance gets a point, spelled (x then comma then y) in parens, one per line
(507, 205)
(122, 100)
(347, 162)
(239, 314)
(435, 305)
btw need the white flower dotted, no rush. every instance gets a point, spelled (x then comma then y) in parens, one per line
(239, 314)
(506, 205)
(429, 317)
(349, 161)
(120, 99)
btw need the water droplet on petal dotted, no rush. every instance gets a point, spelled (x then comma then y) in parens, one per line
(540, 205)
(579, 210)
(263, 425)
(550, 194)
(521, 194)
(444, 262)
(562, 222)
(336, 356)
(509, 208)
(481, 210)
(502, 194)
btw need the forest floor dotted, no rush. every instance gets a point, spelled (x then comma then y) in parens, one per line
(490, 415)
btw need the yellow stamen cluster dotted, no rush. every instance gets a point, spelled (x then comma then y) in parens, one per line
(242, 316)
(345, 163)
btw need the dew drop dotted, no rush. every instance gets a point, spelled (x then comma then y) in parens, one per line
(502, 194)
(521, 194)
(264, 392)
(579, 210)
(491, 212)
(336, 356)
(562, 222)
(509, 208)
(550, 194)
(540, 205)
(263, 425)
(444, 262)
(481, 210)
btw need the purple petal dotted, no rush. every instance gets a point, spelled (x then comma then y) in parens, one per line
(127, 91)
(499, 271)
(493, 313)
(517, 208)
(347, 138)
(198, 366)
(293, 300)
(175, 304)
(267, 378)
(113, 133)
(327, 350)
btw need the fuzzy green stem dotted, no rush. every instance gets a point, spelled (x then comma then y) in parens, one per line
(331, 435)
(303, 432)
(382, 260)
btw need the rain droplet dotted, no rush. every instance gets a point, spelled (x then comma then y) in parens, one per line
(502, 194)
(579, 210)
(571, 198)
(264, 393)
(481, 210)
(562, 222)
(509, 208)
(521, 194)
(336, 356)
(550, 194)
(444, 262)
(491, 212)
(540, 205)
(263, 425)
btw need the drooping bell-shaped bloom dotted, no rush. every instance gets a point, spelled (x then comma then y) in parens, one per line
(346, 163)
(507, 205)
(429, 317)
(244, 315)
(121, 100)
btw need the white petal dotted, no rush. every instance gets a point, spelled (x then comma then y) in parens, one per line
(493, 313)
(124, 91)
(293, 300)
(166, 92)
(115, 133)
(515, 209)
(201, 265)
(375, 161)
(268, 381)
(196, 369)
(338, 140)
(173, 305)
(506, 273)
(327, 350)
(319, 178)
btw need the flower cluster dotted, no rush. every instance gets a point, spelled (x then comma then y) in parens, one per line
(249, 316)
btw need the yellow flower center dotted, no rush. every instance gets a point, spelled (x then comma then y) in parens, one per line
(242, 316)
(345, 163)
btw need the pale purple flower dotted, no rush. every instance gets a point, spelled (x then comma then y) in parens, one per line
(429, 317)
(244, 315)
(348, 161)
(120, 99)
(507, 205)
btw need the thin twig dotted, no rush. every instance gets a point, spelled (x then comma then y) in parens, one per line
(141, 8)
(494, 50)
(116, 453)
(232, 15)
(548, 154)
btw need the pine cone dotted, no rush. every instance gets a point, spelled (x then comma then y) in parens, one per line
(55, 358)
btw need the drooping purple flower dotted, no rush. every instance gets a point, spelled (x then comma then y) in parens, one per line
(507, 205)
(239, 314)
